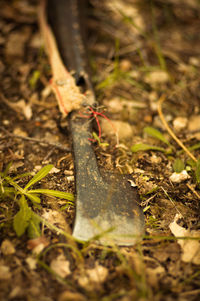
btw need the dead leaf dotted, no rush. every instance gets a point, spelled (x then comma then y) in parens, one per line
(190, 248)
(7, 247)
(37, 244)
(54, 217)
(20, 106)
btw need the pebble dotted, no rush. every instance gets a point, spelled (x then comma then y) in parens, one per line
(180, 123)
(179, 177)
(157, 77)
(125, 65)
(194, 123)
(123, 129)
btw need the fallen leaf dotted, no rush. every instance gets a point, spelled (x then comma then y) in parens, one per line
(54, 217)
(190, 247)
(7, 247)
(37, 244)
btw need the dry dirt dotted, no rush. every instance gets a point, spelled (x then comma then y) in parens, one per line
(138, 50)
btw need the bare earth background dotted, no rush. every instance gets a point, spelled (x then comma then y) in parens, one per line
(138, 51)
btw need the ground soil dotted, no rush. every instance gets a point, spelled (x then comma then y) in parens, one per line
(138, 51)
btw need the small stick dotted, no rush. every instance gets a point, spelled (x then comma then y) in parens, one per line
(193, 190)
(160, 102)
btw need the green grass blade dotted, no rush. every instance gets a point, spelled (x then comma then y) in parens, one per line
(197, 171)
(58, 194)
(33, 198)
(23, 175)
(156, 134)
(146, 147)
(40, 175)
(15, 185)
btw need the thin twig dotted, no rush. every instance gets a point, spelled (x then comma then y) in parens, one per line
(193, 190)
(56, 145)
(160, 102)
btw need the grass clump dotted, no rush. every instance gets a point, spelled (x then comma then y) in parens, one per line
(27, 199)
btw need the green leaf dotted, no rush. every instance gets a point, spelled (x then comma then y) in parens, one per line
(6, 190)
(104, 144)
(15, 185)
(145, 147)
(194, 147)
(34, 78)
(23, 175)
(156, 134)
(58, 194)
(197, 171)
(22, 218)
(34, 230)
(6, 171)
(33, 198)
(178, 165)
(40, 175)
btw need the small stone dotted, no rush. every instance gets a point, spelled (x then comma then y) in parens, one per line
(179, 177)
(61, 266)
(180, 123)
(54, 170)
(194, 123)
(32, 263)
(157, 77)
(6, 122)
(7, 247)
(194, 61)
(125, 65)
(121, 128)
(155, 159)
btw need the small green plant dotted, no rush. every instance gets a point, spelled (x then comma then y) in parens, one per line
(34, 79)
(197, 172)
(26, 219)
(178, 165)
(101, 144)
(157, 135)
